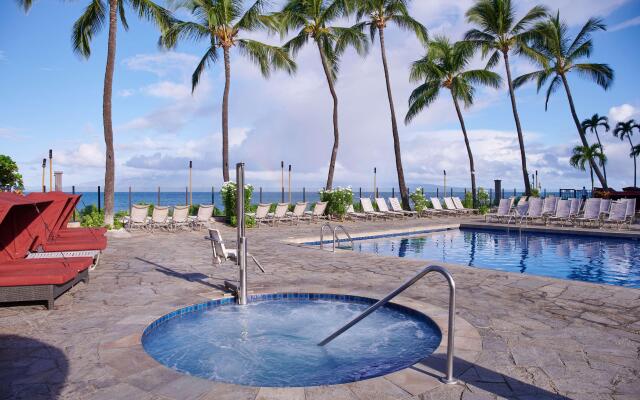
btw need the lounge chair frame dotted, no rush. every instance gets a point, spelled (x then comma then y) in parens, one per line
(46, 293)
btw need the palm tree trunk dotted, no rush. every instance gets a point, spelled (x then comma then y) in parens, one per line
(604, 168)
(394, 127)
(512, 95)
(635, 168)
(466, 142)
(583, 138)
(225, 115)
(591, 172)
(336, 134)
(109, 172)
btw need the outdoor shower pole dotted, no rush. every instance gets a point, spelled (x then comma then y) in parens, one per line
(44, 166)
(50, 169)
(282, 181)
(241, 292)
(289, 183)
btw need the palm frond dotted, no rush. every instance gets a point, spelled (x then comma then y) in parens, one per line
(524, 78)
(251, 19)
(533, 15)
(181, 30)
(350, 37)
(553, 86)
(420, 98)
(123, 16)
(592, 25)
(25, 4)
(210, 57)
(152, 12)
(410, 24)
(296, 43)
(601, 74)
(90, 22)
(482, 77)
(266, 57)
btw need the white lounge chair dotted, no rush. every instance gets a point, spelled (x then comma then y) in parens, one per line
(139, 217)
(605, 206)
(503, 212)
(260, 215)
(279, 215)
(353, 214)
(459, 206)
(518, 212)
(298, 212)
(576, 206)
(630, 215)
(180, 218)
(590, 214)
(203, 218)
(535, 211)
(562, 214)
(549, 206)
(317, 213)
(437, 206)
(382, 207)
(448, 202)
(159, 218)
(617, 215)
(397, 207)
(522, 201)
(368, 209)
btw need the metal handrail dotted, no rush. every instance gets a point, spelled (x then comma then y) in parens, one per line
(335, 236)
(452, 311)
(325, 225)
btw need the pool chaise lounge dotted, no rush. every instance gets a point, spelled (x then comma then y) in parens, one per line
(397, 207)
(382, 207)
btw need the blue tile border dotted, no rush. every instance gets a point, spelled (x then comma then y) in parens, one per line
(285, 296)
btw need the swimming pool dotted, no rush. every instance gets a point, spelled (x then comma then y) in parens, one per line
(273, 340)
(614, 261)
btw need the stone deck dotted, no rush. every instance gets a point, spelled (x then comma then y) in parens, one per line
(527, 337)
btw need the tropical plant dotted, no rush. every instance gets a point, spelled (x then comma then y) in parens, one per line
(557, 54)
(221, 23)
(229, 197)
(484, 202)
(444, 67)
(592, 124)
(84, 29)
(583, 155)
(377, 13)
(338, 200)
(312, 20)
(499, 33)
(624, 130)
(420, 202)
(10, 178)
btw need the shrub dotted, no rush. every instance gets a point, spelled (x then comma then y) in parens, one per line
(535, 192)
(338, 200)
(229, 197)
(484, 203)
(91, 217)
(467, 202)
(419, 201)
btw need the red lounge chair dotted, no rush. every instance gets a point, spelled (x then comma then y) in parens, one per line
(41, 280)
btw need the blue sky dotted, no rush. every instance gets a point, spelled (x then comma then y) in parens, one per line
(51, 98)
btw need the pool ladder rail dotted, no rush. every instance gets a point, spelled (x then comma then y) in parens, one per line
(334, 231)
(448, 379)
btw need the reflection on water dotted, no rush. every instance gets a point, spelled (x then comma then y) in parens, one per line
(584, 258)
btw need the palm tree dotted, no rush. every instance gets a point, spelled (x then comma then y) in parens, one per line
(592, 124)
(586, 154)
(311, 19)
(377, 14)
(221, 22)
(550, 46)
(624, 130)
(84, 29)
(499, 33)
(444, 67)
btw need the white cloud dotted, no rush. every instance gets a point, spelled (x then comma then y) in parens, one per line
(622, 112)
(625, 24)
(126, 92)
(163, 63)
(86, 155)
(168, 90)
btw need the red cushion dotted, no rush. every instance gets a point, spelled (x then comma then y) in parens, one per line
(35, 272)
(75, 245)
(78, 231)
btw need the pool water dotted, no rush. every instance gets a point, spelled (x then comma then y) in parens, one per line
(274, 342)
(614, 261)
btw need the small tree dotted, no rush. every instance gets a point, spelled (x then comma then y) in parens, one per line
(10, 178)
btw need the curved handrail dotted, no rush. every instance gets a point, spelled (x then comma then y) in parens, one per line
(325, 225)
(335, 236)
(452, 312)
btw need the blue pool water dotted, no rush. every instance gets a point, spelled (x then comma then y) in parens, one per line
(614, 261)
(274, 342)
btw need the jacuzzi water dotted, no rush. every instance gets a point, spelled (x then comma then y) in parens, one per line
(274, 342)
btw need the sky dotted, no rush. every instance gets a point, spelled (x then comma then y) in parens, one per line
(52, 99)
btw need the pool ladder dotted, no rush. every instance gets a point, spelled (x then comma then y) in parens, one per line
(334, 230)
(448, 379)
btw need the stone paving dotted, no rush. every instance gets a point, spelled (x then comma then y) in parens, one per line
(527, 337)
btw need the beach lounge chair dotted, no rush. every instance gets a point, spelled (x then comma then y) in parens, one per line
(382, 207)
(448, 202)
(261, 213)
(203, 218)
(617, 214)
(518, 212)
(351, 213)
(317, 213)
(179, 219)
(368, 209)
(562, 214)
(459, 206)
(535, 210)
(590, 214)
(437, 206)
(549, 206)
(503, 212)
(280, 214)
(605, 206)
(397, 207)
(139, 217)
(522, 201)
(630, 215)
(298, 212)
(576, 206)
(159, 218)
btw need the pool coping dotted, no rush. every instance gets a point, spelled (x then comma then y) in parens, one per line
(415, 380)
